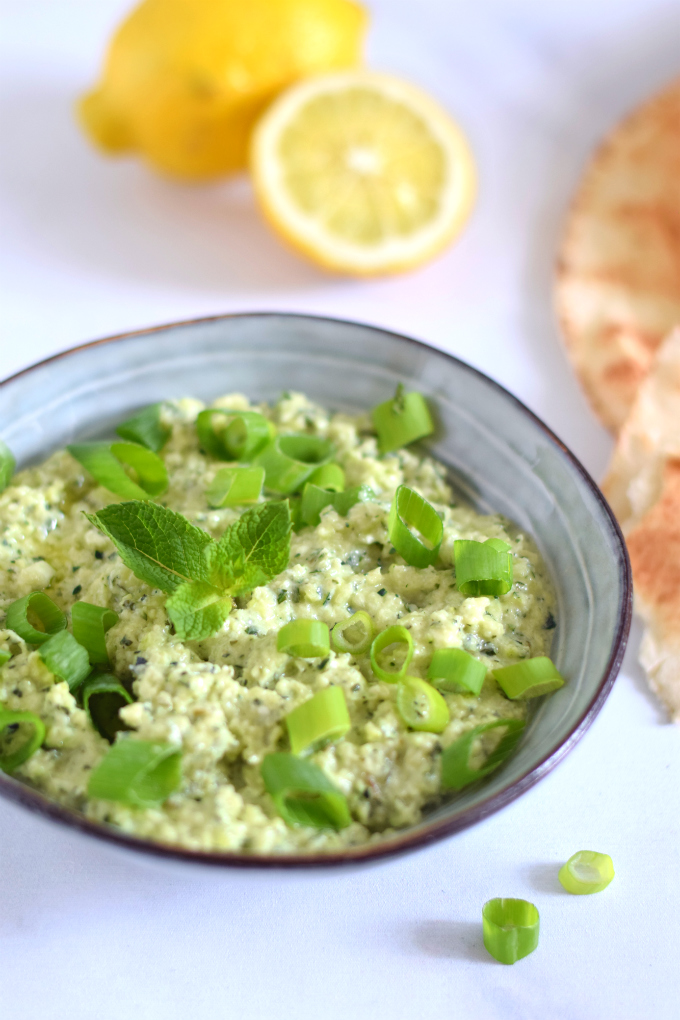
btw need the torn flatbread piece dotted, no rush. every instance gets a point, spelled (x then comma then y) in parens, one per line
(618, 283)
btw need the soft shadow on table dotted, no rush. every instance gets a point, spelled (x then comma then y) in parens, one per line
(543, 878)
(117, 218)
(584, 99)
(453, 940)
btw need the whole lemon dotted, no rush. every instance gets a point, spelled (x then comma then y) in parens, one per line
(185, 80)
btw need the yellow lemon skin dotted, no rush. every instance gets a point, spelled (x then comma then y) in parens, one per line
(185, 80)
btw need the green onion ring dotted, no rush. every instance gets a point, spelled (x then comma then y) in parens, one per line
(90, 624)
(289, 460)
(456, 671)
(483, 568)
(402, 420)
(102, 696)
(315, 499)
(305, 639)
(105, 462)
(233, 435)
(586, 872)
(530, 678)
(510, 929)
(64, 657)
(302, 793)
(7, 465)
(360, 624)
(43, 609)
(13, 756)
(410, 511)
(421, 706)
(146, 428)
(137, 772)
(329, 476)
(396, 635)
(5, 656)
(321, 720)
(234, 486)
(456, 769)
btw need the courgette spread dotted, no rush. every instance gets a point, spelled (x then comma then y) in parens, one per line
(289, 515)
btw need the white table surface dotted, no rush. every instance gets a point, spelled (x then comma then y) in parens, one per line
(90, 247)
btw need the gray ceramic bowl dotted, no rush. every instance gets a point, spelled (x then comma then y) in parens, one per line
(501, 457)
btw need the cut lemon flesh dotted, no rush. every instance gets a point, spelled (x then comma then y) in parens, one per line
(362, 172)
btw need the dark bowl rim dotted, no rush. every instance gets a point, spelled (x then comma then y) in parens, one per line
(410, 840)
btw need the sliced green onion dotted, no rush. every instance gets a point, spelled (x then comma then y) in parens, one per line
(21, 733)
(456, 671)
(329, 476)
(483, 568)
(410, 512)
(354, 635)
(64, 657)
(586, 872)
(35, 617)
(103, 695)
(146, 428)
(137, 772)
(510, 929)
(317, 722)
(421, 707)
(234, 486)
(530, 678)
(5, 656)
(306, 639)
(401, 420)
(104, 461)
(90, 624)
(302, 793)
(479, 751)
(233, 435)
(7, 465)
(391, 653)
(315, 499)
(290, 460)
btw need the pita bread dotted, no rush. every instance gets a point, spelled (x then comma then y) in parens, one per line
(643, 488)
(618, 283)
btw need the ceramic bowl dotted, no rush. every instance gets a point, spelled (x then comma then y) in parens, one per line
(501, 458)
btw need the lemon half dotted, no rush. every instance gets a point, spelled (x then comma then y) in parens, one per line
(362, 172)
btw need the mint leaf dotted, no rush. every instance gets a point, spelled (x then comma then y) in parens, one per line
(253, 550)
(197, 610)
(160, 546)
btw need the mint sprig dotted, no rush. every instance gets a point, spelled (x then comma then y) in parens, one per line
(202, 576)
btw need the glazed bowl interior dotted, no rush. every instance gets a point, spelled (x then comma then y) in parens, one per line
(501, 459)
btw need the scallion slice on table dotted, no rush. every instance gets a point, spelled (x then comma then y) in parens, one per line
(415, 528)
(137, 772)
(21, 733)
(329, 476)
(40, 609)
(530, 678)
(421, 706)
(146, 428)
(354, 635)
(67, 659)
(586, 872)
(402, 420)
(483, 568)
(106, 463)
(456, 671)
(234, 486)
(103, 695)
(289, 460)
(320, 720)
(479, 751)
(90, 624)
(302, 793)
(307, 639)
(7, 465)
(510, 929)
(391, 653)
